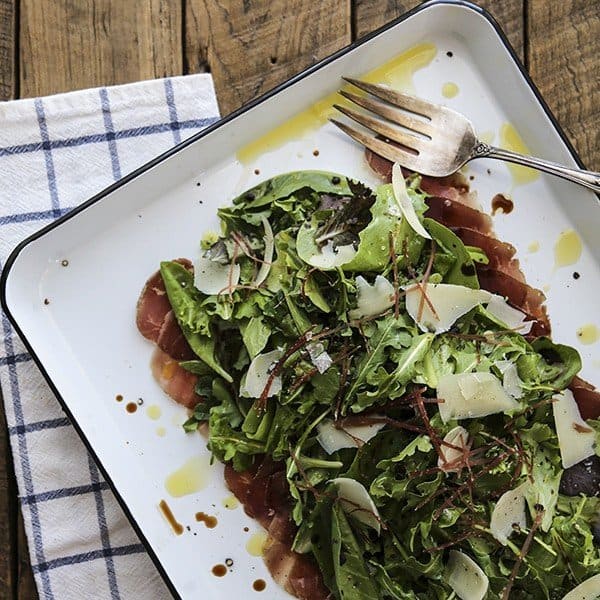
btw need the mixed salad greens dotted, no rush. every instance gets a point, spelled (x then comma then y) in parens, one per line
(424, 435)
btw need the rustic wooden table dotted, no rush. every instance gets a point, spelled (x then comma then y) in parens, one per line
(49, 46)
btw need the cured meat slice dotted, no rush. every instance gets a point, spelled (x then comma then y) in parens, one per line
(298, 574)
(454, 187)
(153, 304)
(263, 492)
(171, 339)
(587, 398)
(519, 294)
(456, 214)
(175, 381)
(500, 254)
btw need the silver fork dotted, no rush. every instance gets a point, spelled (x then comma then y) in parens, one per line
(438, 144)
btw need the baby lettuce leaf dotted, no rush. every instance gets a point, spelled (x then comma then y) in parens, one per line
(184, 298)
(282, 186)
(549, 367)
(374, 247)
(179, 283)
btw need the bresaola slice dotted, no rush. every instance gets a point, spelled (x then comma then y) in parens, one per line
(500, 254)
(519, 294)
(587, 397)
(171, 339)
(153, 304)
(453, 213)
(174, 380)
(155, 321)
(262, 491)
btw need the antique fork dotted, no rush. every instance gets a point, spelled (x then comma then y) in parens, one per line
(434, 140)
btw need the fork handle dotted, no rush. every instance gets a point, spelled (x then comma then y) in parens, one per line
(586, 178)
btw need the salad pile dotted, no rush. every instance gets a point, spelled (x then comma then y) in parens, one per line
(424, 433)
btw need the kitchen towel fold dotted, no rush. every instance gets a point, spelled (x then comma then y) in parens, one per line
(55, 153)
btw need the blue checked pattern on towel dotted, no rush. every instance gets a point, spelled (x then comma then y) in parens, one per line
(56, 152)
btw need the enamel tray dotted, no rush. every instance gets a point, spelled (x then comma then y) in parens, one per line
(86, 342)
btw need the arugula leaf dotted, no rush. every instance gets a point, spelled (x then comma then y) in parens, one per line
(352, 577)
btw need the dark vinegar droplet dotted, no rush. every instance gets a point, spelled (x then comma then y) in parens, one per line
(131, 407)
(119, 398)
(219, 570)
(257, 171)
(64, 262)
(502, 203)
(210, 521)
(576, 275)
(46, 301)
(259, 585)
(315, 153)
(449, 54)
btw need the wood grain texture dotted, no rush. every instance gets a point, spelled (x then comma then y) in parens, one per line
(8, 66)
(8, 513)
(72, 44)
(368, 15)
(253, 46)
(564, 61)
(195, 37)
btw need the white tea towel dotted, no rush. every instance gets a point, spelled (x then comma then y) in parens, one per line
(56, 152)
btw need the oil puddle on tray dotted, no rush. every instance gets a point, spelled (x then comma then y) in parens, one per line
(191, 477)
(397, 73)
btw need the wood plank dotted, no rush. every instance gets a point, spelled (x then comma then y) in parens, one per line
(8, 513)
(66, 45)
(253, 46)
(195, 37)
(26, 588)
(368, 15)
(563, 56)
(8, 34)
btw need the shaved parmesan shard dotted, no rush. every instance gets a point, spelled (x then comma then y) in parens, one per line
(265, 266)
(511, 381)
(576, 439)
(509, 511)
(372, 299)
(405, 203)
(465, 577)
(211, 277)
(258, 374)
(331, 257)
(449, 460)
(357, 503)
(514, 319)
(469, 395)
(586, 590)
(436, 307)
(332, 438)
(319, 357)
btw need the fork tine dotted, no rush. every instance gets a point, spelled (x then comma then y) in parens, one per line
(406, 159)
(391, 113)
(405, 101)
(381, 127)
